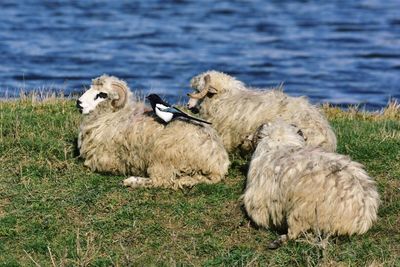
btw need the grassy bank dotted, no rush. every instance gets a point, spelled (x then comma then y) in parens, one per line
(53, 211)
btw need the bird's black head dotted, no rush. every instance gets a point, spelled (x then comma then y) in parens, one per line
(155, 99)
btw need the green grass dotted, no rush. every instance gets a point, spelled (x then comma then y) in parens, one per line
(55, 212)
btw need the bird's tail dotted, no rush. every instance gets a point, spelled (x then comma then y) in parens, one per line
(196, 119)
(183, 114)
(199, 120)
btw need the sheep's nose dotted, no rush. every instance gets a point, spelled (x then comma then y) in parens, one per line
(78, 104)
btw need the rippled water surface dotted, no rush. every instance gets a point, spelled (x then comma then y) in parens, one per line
(343, 52)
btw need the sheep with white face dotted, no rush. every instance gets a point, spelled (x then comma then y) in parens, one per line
(120, 135)
(99, 92)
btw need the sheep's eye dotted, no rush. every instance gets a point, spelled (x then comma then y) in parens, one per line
(101, 95)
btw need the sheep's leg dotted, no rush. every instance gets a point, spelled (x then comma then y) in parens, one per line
(161, 175)
(186, 181)
(190, 181)
(135, 182)
(293, 233)
(278, 242)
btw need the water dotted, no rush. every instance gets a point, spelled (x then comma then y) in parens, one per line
(343, 52)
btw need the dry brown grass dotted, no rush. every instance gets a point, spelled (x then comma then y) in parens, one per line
(390, 112)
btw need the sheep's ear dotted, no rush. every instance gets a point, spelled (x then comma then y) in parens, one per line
(122, 92)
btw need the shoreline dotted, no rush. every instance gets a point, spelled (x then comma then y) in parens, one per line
(44, 95)
(390, 111)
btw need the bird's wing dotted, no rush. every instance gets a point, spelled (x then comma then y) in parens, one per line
(176, 113)
(177, 109)
(163, 108)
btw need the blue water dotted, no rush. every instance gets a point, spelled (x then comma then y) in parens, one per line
(343, 52)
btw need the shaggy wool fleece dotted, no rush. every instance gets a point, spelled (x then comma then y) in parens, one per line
(237, 111)
(126, 138)
(301, 188)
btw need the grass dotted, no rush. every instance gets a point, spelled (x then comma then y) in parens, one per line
(55, 212)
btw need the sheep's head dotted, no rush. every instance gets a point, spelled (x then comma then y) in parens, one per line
(278, 134)
(103, 89)
(208, 84)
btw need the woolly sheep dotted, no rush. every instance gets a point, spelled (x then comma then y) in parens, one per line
(301, 188)
(236, 111)
(120, 135)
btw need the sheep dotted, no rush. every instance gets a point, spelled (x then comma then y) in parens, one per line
(302, 188)
(236, 111)
(121, 135)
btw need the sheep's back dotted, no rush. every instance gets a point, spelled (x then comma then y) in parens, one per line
(236, 114)
(311, 121)
(191, 146)
(332, 193)
(315, 188)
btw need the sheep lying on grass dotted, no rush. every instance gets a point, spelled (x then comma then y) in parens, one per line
(304, 188)
(120, 135)
(236, 111)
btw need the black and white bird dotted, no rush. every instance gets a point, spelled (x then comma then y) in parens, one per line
(166, 112)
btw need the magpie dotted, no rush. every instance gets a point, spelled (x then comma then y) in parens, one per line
(166, 112)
